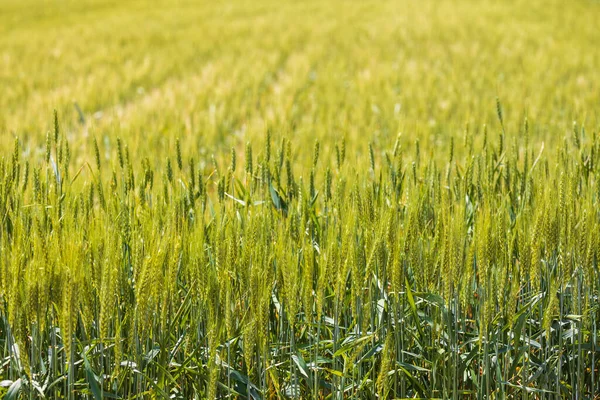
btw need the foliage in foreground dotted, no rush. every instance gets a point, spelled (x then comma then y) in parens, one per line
(473, 277)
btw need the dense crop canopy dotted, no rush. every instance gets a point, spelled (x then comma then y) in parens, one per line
(312, 200)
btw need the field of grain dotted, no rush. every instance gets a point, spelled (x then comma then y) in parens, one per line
(386, 199)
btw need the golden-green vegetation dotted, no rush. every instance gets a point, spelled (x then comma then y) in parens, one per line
(392, 199)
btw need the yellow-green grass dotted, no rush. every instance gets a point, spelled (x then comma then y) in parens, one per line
(301, 199)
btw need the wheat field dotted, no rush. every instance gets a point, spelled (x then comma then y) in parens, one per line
(390, 199)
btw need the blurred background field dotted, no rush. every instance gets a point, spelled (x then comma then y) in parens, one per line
(219, 74)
